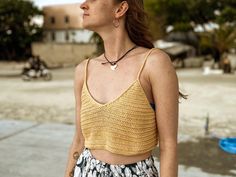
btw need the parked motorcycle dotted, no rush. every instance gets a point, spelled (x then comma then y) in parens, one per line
(35, 68)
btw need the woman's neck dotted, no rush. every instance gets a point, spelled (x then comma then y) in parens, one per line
(116, 44)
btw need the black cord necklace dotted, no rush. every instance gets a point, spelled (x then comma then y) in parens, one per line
(114, 63)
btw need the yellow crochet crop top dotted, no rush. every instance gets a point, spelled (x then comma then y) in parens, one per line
(126, 125)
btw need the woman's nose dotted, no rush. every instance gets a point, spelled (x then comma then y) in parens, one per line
(84, 6)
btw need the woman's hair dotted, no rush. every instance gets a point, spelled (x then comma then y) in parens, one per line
(137, 27)
(136, 24)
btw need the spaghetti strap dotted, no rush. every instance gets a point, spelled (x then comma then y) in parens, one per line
(85, 70)
(149, 52)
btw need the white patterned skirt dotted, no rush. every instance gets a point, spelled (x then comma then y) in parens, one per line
(88, 166)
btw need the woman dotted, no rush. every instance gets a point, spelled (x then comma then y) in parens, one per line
(126, 98)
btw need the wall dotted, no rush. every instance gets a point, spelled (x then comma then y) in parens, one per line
(78, 36)
(62, 55)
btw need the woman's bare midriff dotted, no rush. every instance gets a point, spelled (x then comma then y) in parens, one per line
(117, 159)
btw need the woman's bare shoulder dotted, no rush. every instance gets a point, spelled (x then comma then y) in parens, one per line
(159, 62)
(160, 68)
(80, 68)
(79, 72)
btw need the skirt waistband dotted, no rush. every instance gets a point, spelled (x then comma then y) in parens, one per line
(149, 160)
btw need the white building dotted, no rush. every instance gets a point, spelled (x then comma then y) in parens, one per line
(63, 24)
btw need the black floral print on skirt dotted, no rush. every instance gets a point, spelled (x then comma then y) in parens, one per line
(88, 166)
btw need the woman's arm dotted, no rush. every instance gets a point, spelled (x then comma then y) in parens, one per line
(77, 145)
(165, 90)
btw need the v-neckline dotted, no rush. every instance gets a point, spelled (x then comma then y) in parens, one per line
(137, 80)
(112, 101)
(118, 97)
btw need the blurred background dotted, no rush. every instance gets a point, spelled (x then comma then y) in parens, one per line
(41, 42)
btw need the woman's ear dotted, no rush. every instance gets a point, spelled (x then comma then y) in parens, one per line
(121, 9)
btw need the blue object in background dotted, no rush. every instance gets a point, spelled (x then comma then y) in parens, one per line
(228, 145)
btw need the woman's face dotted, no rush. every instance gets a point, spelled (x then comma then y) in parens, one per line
(98, 13)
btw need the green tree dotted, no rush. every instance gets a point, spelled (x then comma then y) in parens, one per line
(224, 37)
(227, 12)
(182, 14)
(185, 15)
(17, 31)
(221, 39)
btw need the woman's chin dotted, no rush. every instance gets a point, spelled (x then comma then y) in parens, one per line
(87, 27)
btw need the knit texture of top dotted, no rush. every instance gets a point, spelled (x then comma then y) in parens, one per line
(126, 125)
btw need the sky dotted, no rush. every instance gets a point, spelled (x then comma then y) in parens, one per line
(41, 3)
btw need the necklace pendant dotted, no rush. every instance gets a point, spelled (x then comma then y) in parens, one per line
(113, 67)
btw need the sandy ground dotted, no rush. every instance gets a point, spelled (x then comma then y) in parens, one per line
(213, 95)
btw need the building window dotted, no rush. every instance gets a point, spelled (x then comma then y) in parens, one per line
(53, 36)
(67, 19)
(66, 36)
(53, 20)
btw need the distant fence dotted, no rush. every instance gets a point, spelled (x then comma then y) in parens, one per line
(61, 55)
